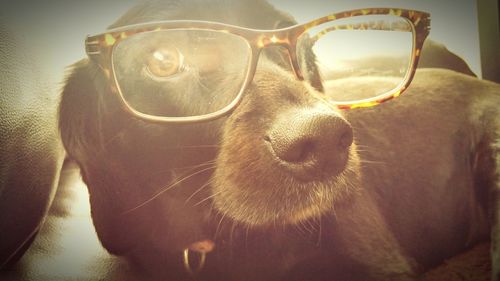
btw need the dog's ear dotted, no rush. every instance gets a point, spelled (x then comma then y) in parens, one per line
(311, 74)
(436, 55)
(80, 112)
(78, 120)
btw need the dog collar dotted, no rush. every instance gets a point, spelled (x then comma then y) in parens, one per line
(193, 270)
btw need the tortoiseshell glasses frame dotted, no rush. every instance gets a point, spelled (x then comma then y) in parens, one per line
(100, 48)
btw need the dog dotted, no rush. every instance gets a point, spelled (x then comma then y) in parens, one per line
(400, 187)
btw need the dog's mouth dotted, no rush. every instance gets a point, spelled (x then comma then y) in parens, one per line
(263, 194)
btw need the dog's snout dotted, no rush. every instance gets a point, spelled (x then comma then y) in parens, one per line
(311, 143)
(307, 138)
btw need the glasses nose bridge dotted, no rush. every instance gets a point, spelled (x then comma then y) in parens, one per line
(281, 38)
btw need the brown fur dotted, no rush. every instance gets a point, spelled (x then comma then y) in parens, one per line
(410, 192)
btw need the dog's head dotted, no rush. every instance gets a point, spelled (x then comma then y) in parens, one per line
(282, 156)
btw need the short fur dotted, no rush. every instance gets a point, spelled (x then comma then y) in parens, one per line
(412, 192)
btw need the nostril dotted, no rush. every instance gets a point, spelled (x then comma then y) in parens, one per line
(298, 151)
(290, 149)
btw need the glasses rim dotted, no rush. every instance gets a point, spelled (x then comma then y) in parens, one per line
(99, 49)
(188, 119)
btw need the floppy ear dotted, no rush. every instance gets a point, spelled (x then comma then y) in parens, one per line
(311, 74)
(436, 55)
(78, 121)
(80, 125)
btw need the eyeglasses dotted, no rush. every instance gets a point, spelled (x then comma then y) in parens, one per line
(193, 71)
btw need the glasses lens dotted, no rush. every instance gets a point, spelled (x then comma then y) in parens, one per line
(181, 72)
(361, 57)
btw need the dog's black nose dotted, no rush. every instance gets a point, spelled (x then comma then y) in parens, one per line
(311, 142)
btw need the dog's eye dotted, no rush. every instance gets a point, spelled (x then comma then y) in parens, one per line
(165, 63)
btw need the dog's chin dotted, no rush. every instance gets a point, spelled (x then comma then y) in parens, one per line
(265, 196)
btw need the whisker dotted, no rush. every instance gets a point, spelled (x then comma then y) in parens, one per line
(246, 236)
(312, 227)
(231, 234)
(365, 148)
(192, 167)
(362, 145)
(306, 227)
(167, 189)
(170, 171)
(371, 162)
(201, 146)
(218, 229)
(210, 162)
(197, 191)
(319, 216)
(274, 223)
(190, 147)
(319, 230)
(301, 229)
(185, 178)
(209, 197)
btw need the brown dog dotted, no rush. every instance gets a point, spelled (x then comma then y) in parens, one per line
(409, 192)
